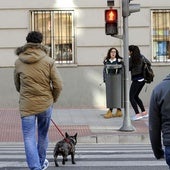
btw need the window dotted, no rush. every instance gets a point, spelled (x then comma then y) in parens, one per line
(57, 29)
(161, 35)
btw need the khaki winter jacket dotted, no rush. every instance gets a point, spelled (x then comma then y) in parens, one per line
(36, 79)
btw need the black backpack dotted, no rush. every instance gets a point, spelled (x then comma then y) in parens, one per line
(148, 73)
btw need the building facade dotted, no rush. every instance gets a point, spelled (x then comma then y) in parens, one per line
(74, 30)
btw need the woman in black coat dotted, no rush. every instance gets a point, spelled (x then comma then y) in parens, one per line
(138, 82)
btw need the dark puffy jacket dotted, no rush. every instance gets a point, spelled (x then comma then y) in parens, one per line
(136, 70)
(159, 117)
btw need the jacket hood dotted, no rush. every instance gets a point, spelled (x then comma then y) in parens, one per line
(167, 77)
(31, 52)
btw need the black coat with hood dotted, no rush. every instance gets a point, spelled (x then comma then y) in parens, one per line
(159, 117)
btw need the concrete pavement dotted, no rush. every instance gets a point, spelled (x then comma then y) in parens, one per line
(88, 123)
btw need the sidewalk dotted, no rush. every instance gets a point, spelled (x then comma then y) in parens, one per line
(88, 123)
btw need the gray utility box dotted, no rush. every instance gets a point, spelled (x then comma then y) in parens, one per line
(114, 86)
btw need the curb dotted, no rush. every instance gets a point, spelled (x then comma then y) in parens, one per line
(115, 139)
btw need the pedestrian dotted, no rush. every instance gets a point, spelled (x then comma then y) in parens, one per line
(39, 85)
(112, 58)
(138, 82)
(159, 120)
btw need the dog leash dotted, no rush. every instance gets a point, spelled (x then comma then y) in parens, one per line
(57, 128)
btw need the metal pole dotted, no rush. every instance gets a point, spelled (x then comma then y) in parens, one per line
(127, 126)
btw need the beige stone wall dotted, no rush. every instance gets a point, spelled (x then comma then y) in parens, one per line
(91, 45)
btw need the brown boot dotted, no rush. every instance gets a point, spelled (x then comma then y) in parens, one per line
(108, 114)
(118, 114)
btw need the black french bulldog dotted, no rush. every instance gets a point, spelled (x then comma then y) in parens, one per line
(64, 148)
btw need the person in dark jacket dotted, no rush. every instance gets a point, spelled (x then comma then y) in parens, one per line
(136, 69)
(159, 120)
(112, 58)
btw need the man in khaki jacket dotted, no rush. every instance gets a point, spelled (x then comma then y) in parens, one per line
(38, 82)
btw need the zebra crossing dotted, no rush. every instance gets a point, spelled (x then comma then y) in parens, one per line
(88, 156)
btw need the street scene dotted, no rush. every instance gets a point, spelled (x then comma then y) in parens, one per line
(87, 81)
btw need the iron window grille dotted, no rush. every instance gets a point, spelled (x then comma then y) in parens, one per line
(57, 29)
(161, 35)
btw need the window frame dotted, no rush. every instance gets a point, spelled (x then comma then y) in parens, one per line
(53, 38)
(165, 58)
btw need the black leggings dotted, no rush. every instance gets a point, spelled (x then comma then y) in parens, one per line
(135, 101)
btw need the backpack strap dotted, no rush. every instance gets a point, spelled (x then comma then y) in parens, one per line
(145, 60)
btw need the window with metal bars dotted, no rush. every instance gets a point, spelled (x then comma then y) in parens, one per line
(57, 29)
(161, 35)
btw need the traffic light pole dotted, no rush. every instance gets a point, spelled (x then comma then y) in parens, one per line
(127, 9)
(127, 126)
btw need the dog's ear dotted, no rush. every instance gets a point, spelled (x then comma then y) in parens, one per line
(75, 135)
(66, 134)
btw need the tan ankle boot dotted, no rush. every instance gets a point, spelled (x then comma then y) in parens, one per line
(118, 114)
(108, 114)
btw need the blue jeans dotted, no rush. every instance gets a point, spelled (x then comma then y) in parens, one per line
(35, 150)
(167, 155)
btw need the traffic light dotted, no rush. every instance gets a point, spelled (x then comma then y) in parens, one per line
(128, 8)
(111, 19)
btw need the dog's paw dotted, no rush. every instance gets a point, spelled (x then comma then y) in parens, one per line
(56, 164)
(73, 162)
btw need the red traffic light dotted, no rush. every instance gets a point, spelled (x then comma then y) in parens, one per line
(111, 15)
(111, 22)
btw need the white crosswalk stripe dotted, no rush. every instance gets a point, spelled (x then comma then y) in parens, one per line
(103, 155)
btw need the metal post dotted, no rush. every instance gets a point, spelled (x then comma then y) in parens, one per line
(127, 126)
